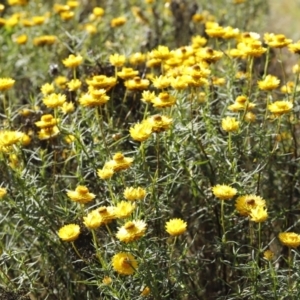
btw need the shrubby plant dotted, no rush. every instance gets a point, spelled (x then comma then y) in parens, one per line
(139, 160)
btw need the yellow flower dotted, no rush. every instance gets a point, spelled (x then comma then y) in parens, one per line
(54, 100)
(124, 209)
(161, 82)
(279, 108)
(209, 55)
(119, 162)
(159, 123)
(224, 192)
(127, 73)
(269, 83)
(107, 214)
(117, 22)
(44, 40)
(258, 214)
(61, 81)
(47, 88)
(105, 173)
(73, 61)
(3, 192)
(67, 15)
(294, 48)
(141, 131)
(136, 83)
(69, 233)
(137, 58)
(48, 133)
(117, 60)
(102, 82)
(289, 239)
(81, 195)
(250, 117)
(93, 220)
(9, 138)
(163, 100)
(176, 227)
(251, 48)
(131, 231)
(230, 124)
(6, 83)
(67, 107)
(268, 255)
(94, 98)
(106, 280)
(244, 204)
(145, 292)
(21, 39)
(98, 11)
(47, 121)
(147, 96)
(124, 263)
(74, 84)
(132, 194)
(161, 53)
(276, 40)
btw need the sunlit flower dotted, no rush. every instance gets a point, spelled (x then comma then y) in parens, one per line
(276, 40)
(224, 192)
(21, 39)
(159, 123)
(102, 82)
(137, 83)
(269, 83)
(124, 209)
(289, 239)
(244, 204)
(93, 219)
(250, 117)
(106, 280)
(141, 131)
(268, 255)
(119, 162)
(105, 173)
(294, 48)
(161, 53)
(132, 194)
(54, 100)
(73, 61)
(279, 108)
(148, 96)
(69, 233)
(107, 213)
(47, 121)
(61, 81)
(145, 292)
(209, 55)
(44, 40)
(9, 138)
(230, 124)
(81, 195)
(67, 107)
(258, 214)
(3, 192)
(163, 100)
(131, 231)
(117, 60)
(137, 58)
(124, 263)
(74, 84)
(117, 22)
(47, 88)
(127, 73)
(161, 82)
(176, 227)
(6, 83)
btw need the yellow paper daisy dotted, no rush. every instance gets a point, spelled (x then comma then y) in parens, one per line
(176, 227)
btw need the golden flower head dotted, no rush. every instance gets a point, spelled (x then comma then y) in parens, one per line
(107, 213)
(230, 124)
(106, 280)
(81, 195)
(117, 22)
(163, 100)
(124, 209)
(47, 88)
(131, 231)
(159, 123)
(141, 131)
(44, 40)
(224, 192)
(276, 40)
(105, 173)
(137, 83)
(176, 227)
(119, 162)
(9, 138)
(93, 219)
(47, 121)
(6, 83)
(279, 108)
(294, 48)
(244, 204)
(74, 84)
(48, 133)
(21, 39)
(124, 263)
(67, 107)
(268, 255)
(289, 239)
(69, 233)
(258, 214)
(72, 61)
(127, 73)
(117, 60)
(132, 194)
(54, 100)
(145, 292)
(269, 83)
(94, 98)
(3, 192)
(102, 82)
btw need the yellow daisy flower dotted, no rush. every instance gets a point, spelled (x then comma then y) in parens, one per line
(124, 263)
(124, 209)
(224, 192)
(244, 204)
(176, 227)
(132, 194)
(81, 195)
(69, 233)
(289, 239)
(131, 231)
